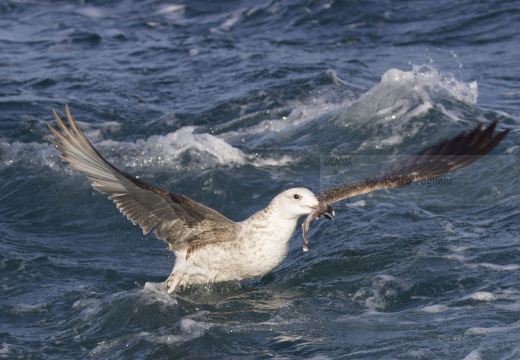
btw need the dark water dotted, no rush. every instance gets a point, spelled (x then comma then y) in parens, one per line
(231, 103)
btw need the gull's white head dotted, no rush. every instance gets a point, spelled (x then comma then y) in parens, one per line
(293, 203)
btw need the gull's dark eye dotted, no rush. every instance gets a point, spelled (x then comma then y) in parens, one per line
(296, 196)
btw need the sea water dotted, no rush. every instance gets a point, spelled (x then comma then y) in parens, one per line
(230, 103)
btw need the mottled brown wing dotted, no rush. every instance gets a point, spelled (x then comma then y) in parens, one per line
(437, 160)
(178, 220)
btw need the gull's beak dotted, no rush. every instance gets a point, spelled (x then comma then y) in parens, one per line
(329, 214)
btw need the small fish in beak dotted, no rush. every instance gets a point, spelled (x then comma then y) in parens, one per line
(322, 211)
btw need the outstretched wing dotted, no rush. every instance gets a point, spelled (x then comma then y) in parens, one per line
(178, 220)
(437, 160)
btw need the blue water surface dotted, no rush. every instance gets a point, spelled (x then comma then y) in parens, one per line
(230, 103)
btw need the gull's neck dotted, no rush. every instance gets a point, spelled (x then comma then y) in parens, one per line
(271, 224)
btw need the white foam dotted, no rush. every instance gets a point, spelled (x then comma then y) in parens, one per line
(171, 145)
(154, 292)
(481, 296)
(270, 162)
(5, 349)
(233, 19)
(17, 152)
(104, 347)
(401, 96)
(158, 152)
(448, 227)
(90, 308)
(423, 77)
(435, 309)
(22, 308)
(190, 329)
(382, 292)
(474, 355)
(162, 151)
(485, 331)
(171, 8)
(510, 267)
(90, 11)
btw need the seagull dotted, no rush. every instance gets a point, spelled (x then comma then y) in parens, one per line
(208, 246)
